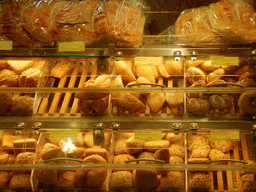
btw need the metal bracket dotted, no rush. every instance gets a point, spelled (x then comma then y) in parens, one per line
(102, 62)
(36, 126)
(176, 127)
(19, 128)
(254, 129)
(193, 127)
(252, 62)
(115, 127)
(98, 135)
(194, 55)
(177, 55)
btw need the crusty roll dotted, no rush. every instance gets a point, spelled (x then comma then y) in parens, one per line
(155, 101)
(195, 74)
(175, 99)
(146, 72)
(120, 180)
(123, 68)
(9, 78)
(198, 106)
(175, 67)
(23, 105)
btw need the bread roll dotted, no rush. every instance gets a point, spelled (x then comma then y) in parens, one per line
(195, 74)
(174, 67)
(174, 180)
(175, 99)
(177, 150)
(3, 64)
(99, 151)
(156, 101)
(4, 157)
(163, 71)
(25, 158)
(123, 68)
(223, 145)
(173, 138)
(245, 103)
(120, 159)
(191, 63)
(28, 144)
(50, 151)
(248, 182)
(200, 152)
(154, 145)
(66, 180)
(174, 160)
(23, 105)
(20, 181)
(9, 78)
(134, 146)
(120, 180)
(146, 155)
(145, 179)
(47, 176)
(8, 139)
(120, 147)
(4, 179)
(198, 106)
(62, 68)
(220, 101)
(215, 75)
(199, 181)
(208, 67)
(146, 71)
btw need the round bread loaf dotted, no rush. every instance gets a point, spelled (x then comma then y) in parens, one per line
(174, 67)
(198, 106)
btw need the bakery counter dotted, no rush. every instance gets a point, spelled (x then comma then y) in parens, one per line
(128, 159)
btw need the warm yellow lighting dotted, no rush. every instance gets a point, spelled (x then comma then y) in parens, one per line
(68, 147)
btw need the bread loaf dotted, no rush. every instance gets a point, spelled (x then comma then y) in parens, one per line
(9, 78)
(29, 77)
(62, 68)
(23, 105)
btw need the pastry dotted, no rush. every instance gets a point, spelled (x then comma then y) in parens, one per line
(29, 77)
(62, 68)
(23, 105)
(154, 145)
(9, 78)
(198, 106)
(120, 180)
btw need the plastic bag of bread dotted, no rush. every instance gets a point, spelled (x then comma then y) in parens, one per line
(13, 26)
(122, 21)
(73, 20)
(37, 22)
(192, 27)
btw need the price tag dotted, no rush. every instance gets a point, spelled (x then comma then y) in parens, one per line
(63, 133)
(148, 61)
(1, 134)
(147, 135)
(71, 46)
(217, 60)
(225, 134)
(6, 45)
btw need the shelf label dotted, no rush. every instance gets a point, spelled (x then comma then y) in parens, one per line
(63, 133)
(147, 135)
(225, 134)
(152, 41)
(219, 60)
(148, 61)
(71, 46)
(1, 134)
(6, 45)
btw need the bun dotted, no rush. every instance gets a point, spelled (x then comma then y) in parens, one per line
(23, 105)
(120, 180)
(200, 152)
(9, 78)
(195, 74)
(215, 75)
(25, 158)
(146, 155)
(4, 158)
(120, 159)
(20, 181)
(197, 160)
(124, 70)
(146, 72)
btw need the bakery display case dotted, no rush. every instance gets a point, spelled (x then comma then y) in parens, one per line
(94, 97)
